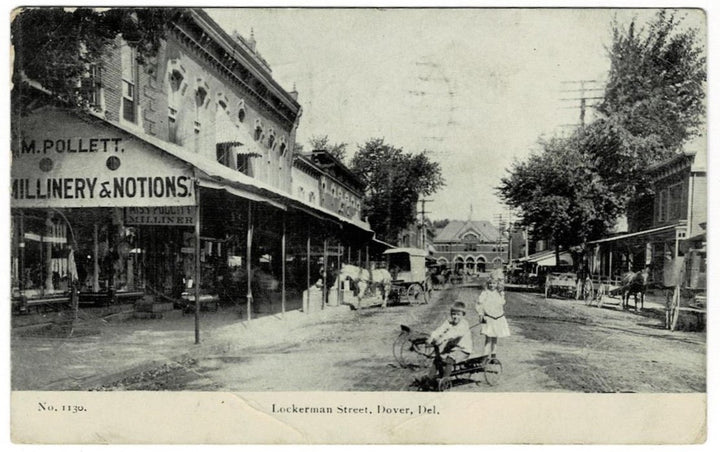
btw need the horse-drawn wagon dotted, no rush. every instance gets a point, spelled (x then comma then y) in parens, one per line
(686, 283)
(409, 275)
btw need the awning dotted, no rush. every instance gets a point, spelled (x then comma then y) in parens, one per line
(635, 234)
(214, 175)
(547, 258)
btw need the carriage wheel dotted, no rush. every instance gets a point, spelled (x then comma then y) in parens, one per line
(414, 351)
(444, 384)
(415, 293)
(493, 369)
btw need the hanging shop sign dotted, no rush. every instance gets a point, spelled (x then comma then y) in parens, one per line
(160, 216)
(59, 160)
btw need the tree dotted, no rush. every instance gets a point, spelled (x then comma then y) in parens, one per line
(574, 190)
(653, 103)
(396, 180)
(337, 150)
(54, 46)
(560, 195)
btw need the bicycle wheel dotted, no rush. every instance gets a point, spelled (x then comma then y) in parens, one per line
(397, 347)
(493, 369)
(415, 352)
(588, 292)
(444, 384)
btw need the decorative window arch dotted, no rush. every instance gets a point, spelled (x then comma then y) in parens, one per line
(222, 101)
(480, 258)
(271, 138)
(468, 236)
(241, 111)
(177, 77)
(282, 146)
(442, 260)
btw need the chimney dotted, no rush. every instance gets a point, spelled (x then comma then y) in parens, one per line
(251, 41)
(294, 93)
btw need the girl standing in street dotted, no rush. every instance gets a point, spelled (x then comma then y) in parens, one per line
(490, 307)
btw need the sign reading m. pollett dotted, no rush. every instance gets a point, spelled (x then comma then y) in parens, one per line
(60, 160)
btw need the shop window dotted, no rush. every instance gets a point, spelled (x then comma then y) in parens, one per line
(129, 79)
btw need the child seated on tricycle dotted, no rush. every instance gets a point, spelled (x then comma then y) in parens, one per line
(453, 341)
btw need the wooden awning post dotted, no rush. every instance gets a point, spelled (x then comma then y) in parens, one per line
(282, 295)
(337, 280)
(306, 302)
(324, 276)
(248, 259)
(197, 263)
(96, 263)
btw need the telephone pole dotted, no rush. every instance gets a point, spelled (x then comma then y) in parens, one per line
(585, 94)
(423, 228)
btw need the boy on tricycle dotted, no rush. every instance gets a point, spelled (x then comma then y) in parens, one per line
(453, 341)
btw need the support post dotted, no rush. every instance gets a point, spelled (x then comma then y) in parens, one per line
(21, 263)
(337, 280)
(96, 263)
(197, 263)
(282, 295)
(324, 276)
(306, 302)
(248, 260)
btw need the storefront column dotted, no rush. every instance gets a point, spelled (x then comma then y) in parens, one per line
(324, 275)
(610, 267)
(248, 259)
(96, 262)
(197, 264)
(282, 294)
(47, 244)
(338, 283)
(21, 257)
(306, 300)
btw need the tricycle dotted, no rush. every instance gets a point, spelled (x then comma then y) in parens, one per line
(412, 350)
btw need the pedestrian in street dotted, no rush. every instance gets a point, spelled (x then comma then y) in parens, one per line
(490, 307)
(453, 339)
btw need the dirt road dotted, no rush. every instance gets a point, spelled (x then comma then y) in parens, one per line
(557, 346)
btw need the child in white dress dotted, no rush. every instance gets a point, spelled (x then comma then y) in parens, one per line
(491, 309)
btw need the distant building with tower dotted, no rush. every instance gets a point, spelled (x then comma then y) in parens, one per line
(471, 246)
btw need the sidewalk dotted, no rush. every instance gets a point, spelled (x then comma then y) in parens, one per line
(102, 350)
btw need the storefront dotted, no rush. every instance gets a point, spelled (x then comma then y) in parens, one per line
(95, 207)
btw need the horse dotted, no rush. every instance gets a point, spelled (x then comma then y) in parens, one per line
(634, 283)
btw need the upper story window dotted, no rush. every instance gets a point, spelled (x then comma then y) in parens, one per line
(129, 81)
(92, 86)
(258, 131)
(283, 147)
(223, 152)
(675, 202)
(271, 139)
(662, 206)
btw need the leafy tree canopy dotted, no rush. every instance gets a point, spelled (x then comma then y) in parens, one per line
(53, 46)
(396, 181)
(337, 150)
(576, 187)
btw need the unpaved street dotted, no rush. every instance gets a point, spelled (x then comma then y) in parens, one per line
(557, 345)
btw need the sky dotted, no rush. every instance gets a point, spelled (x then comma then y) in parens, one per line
(476, 88)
